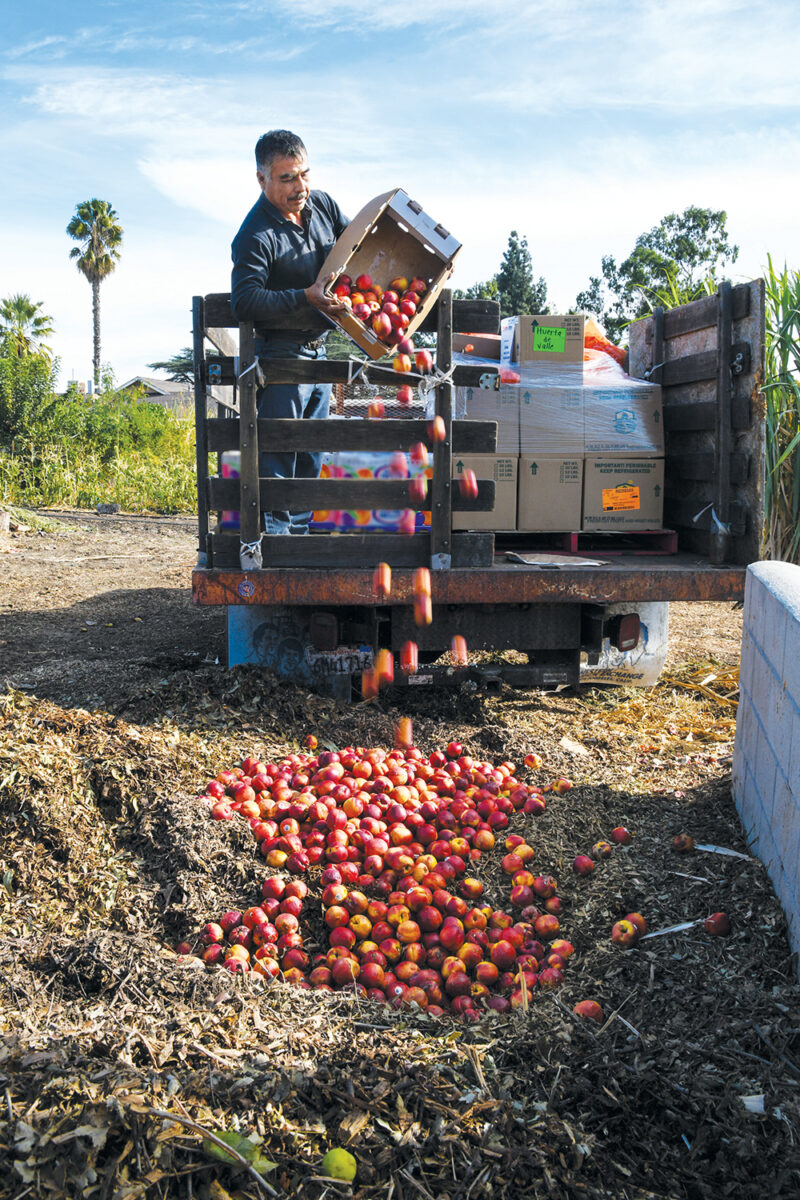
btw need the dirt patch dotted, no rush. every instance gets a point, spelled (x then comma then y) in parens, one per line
(108, 1040)
(97, 609)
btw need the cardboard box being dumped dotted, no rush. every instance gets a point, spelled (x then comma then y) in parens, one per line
(392, 236)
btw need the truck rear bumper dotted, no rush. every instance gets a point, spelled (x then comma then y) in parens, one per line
(637, 579)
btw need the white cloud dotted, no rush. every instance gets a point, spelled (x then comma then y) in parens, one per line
(579, 128)
(354, 15)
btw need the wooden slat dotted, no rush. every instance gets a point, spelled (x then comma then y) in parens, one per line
(218, 312)
(222, 340)
(720, 533)
(657, 373)
(223, 401)
(222, 370)
(248, 443)
(301, 495)
(200, 424)
(344, 371)
(442, 485)
(469, 316)
(702, 314)
(693, 368)
(700, 466)
(355, 433)
(322, 370)
(355, 550)
(703, 415)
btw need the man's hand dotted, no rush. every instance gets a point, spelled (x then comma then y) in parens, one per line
(330, 305)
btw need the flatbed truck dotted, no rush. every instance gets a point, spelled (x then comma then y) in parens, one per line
(305, 607)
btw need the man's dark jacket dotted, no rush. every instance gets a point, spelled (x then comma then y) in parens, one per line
(275, 260)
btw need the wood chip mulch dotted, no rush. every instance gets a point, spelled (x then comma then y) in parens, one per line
(119, 1061)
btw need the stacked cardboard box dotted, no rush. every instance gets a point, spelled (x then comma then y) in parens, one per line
(503, 469)
(544, 340)
(483, 404)
(590, 440)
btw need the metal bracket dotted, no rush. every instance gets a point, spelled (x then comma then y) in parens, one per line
(441, 562)
(490, 380)
(737, 365)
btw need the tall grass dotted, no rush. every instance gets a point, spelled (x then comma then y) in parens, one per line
(79, 451)
(782, 393)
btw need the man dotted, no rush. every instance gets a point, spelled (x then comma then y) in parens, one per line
(277, 255)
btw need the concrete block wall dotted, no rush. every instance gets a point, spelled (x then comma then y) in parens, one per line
(766, 760)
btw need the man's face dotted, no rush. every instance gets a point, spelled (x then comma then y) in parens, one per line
(288, 184)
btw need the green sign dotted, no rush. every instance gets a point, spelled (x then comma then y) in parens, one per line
(549, 340)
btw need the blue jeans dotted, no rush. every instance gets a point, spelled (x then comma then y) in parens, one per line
(293, 401)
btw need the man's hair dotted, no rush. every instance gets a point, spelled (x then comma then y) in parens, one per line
(278, 143)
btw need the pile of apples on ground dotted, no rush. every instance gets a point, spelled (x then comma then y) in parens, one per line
(395, 839)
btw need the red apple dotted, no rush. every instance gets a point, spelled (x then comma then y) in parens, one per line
(638, 920)
(589, 1010)
(625, 934)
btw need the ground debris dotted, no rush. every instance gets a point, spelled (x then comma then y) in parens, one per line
(118, 1058)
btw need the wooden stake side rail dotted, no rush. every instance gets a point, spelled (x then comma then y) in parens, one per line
(252, 495)
(657, 579)
(708, 357)
(442, 482)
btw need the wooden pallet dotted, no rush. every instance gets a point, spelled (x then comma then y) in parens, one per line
(639, 541)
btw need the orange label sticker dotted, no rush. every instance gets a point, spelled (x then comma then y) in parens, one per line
(617, 499)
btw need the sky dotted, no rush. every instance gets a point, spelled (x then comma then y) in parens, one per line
(577, 125)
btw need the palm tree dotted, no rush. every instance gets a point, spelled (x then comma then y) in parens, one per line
(96, 227)
(23, 326)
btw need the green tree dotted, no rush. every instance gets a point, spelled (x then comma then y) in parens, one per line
(179, 368)
(514, 285)
(23, 326)
(680, 259)
(26, 394)
(516, 289)
(95, 225)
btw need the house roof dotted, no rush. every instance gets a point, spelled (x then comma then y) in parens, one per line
(158, 387)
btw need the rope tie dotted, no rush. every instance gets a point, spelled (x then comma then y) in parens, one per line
(428, 383)
(250, 555)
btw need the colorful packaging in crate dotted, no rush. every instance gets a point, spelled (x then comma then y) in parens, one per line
(365, 465)
(231, 466)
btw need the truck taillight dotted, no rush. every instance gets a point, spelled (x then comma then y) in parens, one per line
(623, 631)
